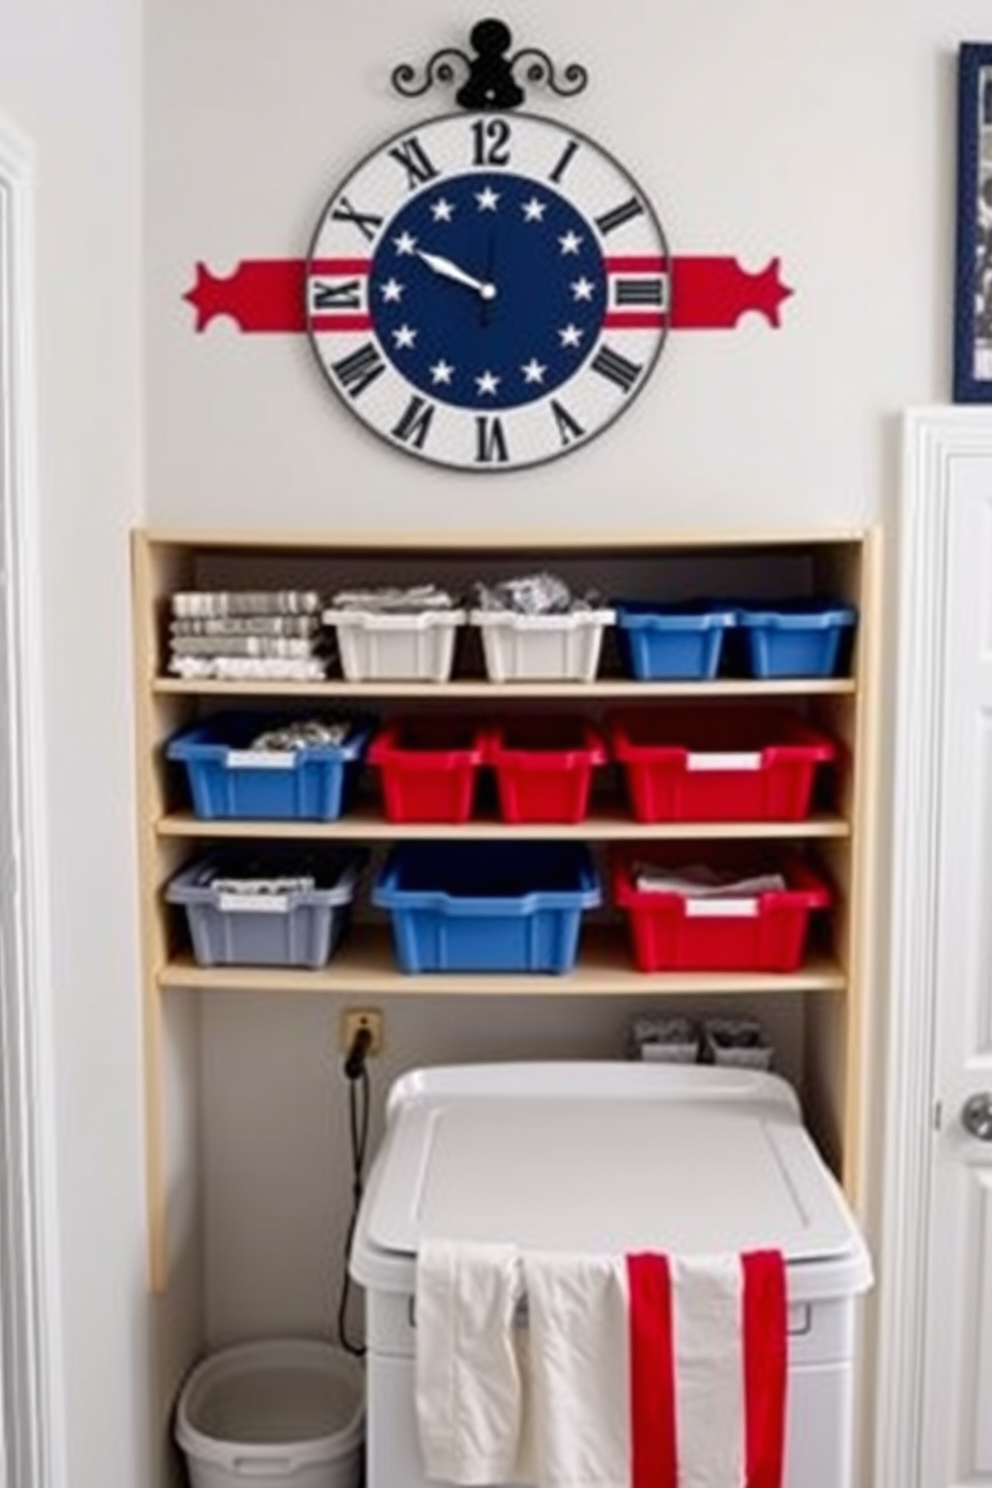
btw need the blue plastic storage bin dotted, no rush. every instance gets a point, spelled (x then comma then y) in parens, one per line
(662, 642)
(487, 906)
(239, 915)
(795, 638)
(229, 779)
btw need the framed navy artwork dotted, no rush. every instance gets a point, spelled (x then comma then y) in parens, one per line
(973, 278)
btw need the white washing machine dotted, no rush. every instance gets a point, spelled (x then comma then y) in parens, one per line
(605, 1159)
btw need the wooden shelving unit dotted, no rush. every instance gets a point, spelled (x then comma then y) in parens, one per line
(844, 564)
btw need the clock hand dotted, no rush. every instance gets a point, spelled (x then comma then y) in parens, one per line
(484, 307)
(449, 270)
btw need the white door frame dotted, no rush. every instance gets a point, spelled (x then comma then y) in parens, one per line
(935, 440)
(32, 1417)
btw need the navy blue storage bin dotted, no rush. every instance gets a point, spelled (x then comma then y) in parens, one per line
(487, 906)
(664, 642)
(229, 779)
(795, 638)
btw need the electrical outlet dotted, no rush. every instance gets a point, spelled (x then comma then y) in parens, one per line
(355, 1019)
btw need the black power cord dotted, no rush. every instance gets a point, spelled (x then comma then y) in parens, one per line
(359, 1101)
(354, 1064)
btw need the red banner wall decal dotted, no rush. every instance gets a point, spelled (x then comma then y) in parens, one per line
(269, 295)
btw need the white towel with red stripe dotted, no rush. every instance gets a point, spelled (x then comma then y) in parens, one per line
(644, 1371)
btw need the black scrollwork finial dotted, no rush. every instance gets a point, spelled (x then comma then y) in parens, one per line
(493, 75)
(490, 83)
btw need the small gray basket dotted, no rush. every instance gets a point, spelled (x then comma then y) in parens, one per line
(232, 926)
(736, 1041)
(664, 1040)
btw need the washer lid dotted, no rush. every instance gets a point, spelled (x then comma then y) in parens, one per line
(603, 1159)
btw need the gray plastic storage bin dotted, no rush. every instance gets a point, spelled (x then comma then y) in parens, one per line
(241, 915)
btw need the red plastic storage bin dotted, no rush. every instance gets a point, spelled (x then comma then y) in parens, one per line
(761, 932)
(544, 768)
(718, 767)
(428, 768)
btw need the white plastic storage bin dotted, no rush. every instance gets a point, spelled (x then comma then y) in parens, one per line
(396, 647)
(542, 648)
(280, 1414)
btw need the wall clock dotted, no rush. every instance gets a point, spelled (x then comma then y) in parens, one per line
(489, 289)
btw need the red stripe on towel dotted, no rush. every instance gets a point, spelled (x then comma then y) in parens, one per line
(765, 1366)
(654, 1454)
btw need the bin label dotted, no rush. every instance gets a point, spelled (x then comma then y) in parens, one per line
(253, 903)
(721, 909)
(261, 759)
(724, 762)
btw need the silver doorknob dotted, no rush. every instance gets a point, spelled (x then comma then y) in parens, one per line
(976, 1116)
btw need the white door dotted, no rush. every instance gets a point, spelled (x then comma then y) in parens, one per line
(933, 1386)
(956, 1416)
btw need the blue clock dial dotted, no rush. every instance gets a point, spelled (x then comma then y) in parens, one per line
(487, 291)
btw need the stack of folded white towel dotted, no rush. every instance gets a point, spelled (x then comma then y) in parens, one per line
(258, 634)
(640, 1371)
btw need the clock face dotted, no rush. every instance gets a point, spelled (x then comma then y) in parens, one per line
(488, 291)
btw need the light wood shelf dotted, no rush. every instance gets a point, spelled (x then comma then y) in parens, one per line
(604, 688)
(366, 823)
(831, 982)
(365, 966)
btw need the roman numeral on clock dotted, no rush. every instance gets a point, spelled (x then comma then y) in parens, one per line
(490, 441)
(569, 429)
(563, 161)
(357, 370)
(414, 425)
(619, 215)
(366, 222)
(340, 294)
(415, 161)
(639, 292)
(610, 364)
